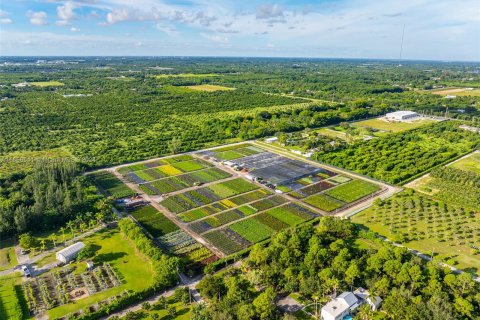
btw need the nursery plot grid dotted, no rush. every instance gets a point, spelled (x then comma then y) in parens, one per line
(223, 199)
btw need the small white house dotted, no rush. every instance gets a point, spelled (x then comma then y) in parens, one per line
(70, 252)
(401, 115)
(339, 307)
(347, 304)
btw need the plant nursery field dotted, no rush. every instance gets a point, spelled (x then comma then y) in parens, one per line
(420, 223)
(12, 306)
(110, 184)
(209, 88)
(155, 222)
(232, 152)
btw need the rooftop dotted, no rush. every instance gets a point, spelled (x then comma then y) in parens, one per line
(73, 249)
(401, 113)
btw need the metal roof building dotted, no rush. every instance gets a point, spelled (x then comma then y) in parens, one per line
(401, 115)
(70, 252)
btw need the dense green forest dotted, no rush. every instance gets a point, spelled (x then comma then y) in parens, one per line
(116, 110)
(46, 198)
(318, 262)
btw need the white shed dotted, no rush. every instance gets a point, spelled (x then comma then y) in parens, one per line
(70, 252)
(401, 115)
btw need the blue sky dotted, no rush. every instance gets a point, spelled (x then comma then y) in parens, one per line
(434, 29)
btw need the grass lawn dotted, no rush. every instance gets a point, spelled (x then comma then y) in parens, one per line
(425, 225)
(393, 126)
(8, 258)
(470, 163)
(136, 270)
(209, 88)
(352, 191)
(183, 312)
(49, 258)
(47, 83)
(323, 202)
(11, 297)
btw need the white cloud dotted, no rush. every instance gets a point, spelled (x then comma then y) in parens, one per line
(65, 13)
(269, 11)
(5, 17)
(37, 18)
(73, 29)
(215, 37)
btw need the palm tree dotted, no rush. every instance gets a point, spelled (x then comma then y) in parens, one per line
(71, 226)
(53, 238)
(83, 226)
(42, 245)
(62, 230)
(99, 216)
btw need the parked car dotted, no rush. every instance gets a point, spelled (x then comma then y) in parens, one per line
(26, 272)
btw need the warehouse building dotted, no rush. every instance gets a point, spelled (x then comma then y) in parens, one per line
(401, 115)
(70, 252)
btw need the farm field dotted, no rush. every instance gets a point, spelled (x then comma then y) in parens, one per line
(47, 84)
(474, 92)
(381, 124)
(459, 177)
(155, 222)
(8, 258)
(232, 152)
(470, 163)
(12, 306)
(111, 185)
(209, 88)
(122, 257)
(399, 156)
(420, 223)
(187, 75)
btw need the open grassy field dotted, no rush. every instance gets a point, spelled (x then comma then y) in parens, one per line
(47, 83)
(8, 259)
(122, 256)
(425, 225)
(209, 88)
(12, 306)
(187, 75)
(472, 92)
(470, 163)
(381, 124)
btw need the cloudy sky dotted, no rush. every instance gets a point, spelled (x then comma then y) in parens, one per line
(434, 29)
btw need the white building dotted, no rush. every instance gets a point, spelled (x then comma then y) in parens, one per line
(272, 139)
(347, 304)
(70, 252)
(401, 115)
(341, 306)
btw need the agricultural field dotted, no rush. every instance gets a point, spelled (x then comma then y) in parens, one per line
(460, 176)
(470, 92)
(110, 184)
(209, 88)
(8, 258)
(206, 195)
(387, 126)
(426, 225)
(112, 249)
(469, 163)
(153, 221)
(12, 306)
(242, 234)
(232, 152)
(52, 83)
(172, 174)
(193, 254)
(399, 156)
(187, 75)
